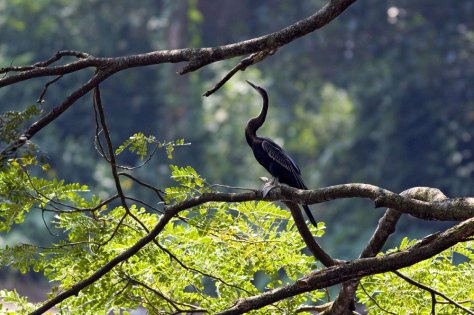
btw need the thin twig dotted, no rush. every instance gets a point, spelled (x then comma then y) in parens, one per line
(242, 65)
(375, 301)
(46, 63)
(232, 187)
(145, 204)
(119, 224)
(60, 54)
(151, 187)
(118, 186)
(46, 225)
(46, 86)
(431, 291)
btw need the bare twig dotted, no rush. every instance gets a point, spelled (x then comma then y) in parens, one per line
(194, 308)
(42, 64)
(375, 301)
(46, 86)
(242, 65)
(145, 204)
(100, 110)
(46, 225)
(157, 191)
(115, 231)
(195, 58)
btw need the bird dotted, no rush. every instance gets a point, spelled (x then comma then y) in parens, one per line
(270, 155)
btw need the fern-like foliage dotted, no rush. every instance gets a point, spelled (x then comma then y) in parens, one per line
(20, 192)
(450, 273)
(220, 252)
(139, 144)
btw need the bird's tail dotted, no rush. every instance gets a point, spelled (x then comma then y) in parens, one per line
(309, 215)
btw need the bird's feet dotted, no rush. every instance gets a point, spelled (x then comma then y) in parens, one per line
(269, 185)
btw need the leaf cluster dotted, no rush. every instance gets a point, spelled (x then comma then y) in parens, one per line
(20, 191)
(138, 143)
(207, 258)
(450, 273)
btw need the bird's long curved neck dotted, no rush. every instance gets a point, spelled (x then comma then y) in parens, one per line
(256, 122)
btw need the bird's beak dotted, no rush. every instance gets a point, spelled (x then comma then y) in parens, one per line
(252, 85)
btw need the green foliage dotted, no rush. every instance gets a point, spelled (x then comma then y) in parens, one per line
(138, 143)
(369, 98)
(219, 253)
(20, 192)
(13, 298)
(22, 257)
(12, 122)
(451, 273)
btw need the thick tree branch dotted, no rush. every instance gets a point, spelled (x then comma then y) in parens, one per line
(344, 303)
(318, 252)
(422, 250)
(349, 271)
(196, 58)
(455, 209)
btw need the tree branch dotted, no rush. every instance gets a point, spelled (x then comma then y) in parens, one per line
(318, 252)
(432, 291)
(242, 65)
(330, 276)
(196, 58)
(344, 303)
(422, 250)
(455, 209)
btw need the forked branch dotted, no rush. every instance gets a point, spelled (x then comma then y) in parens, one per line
(195, 58)
(320, 279)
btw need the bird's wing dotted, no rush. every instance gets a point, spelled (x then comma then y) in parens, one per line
(284, 159)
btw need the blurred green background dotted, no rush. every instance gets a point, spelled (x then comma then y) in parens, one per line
(382, 95)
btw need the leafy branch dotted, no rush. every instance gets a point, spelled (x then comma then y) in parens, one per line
(319, 279)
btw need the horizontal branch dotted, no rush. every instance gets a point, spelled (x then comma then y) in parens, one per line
(195, 58)
(422, 250)
(283, 192)
(456, 209)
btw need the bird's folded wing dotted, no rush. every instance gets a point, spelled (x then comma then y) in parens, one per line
(284, 159)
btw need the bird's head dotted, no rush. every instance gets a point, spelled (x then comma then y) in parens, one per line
(254, 86)
(260, 90)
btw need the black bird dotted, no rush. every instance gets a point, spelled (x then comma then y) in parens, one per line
(271, 156)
